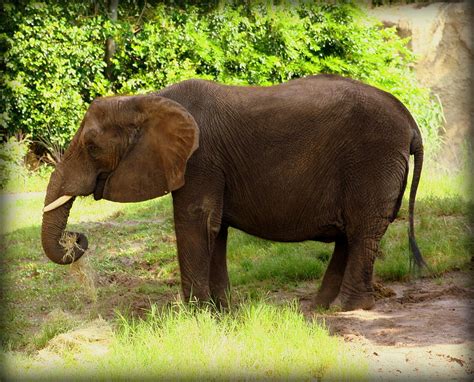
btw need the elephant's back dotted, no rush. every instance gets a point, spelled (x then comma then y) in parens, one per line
(317, 105)
(311, 123)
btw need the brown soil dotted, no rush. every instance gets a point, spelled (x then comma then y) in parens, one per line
(417, 331)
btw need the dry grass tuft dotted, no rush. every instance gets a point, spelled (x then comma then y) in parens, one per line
(93, 337)
(68, 241)
(81, 268)
(84, 273)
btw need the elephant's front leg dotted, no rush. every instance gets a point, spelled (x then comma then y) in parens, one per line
(197, 227)
(218, 276)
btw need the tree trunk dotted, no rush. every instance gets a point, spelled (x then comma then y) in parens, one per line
(110, 43)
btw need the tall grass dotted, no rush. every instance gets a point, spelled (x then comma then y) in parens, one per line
(254, 341)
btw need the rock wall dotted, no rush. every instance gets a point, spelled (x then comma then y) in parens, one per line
(441, 36)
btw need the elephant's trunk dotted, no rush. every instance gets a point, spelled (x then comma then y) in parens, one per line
(60, 246)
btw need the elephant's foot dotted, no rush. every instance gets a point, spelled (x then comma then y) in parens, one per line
(196, 294)
(204, 299)
(322, 300)
(221, 302)
(361, 301)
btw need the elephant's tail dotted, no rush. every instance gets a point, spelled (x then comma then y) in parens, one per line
(416, 148)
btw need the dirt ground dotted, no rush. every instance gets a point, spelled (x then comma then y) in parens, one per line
(420, 330)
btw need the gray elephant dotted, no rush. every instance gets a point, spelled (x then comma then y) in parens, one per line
(318, 158)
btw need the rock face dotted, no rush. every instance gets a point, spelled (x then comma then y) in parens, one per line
(441, 36)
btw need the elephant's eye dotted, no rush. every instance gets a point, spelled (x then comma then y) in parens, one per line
(93, 149)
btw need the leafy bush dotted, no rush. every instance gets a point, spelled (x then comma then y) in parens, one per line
(54, 68)
(12, 157)
(55, 62)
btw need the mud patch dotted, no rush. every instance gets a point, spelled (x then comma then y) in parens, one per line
(420, 331)
(381, 291)
(133, 295)
(413, 295)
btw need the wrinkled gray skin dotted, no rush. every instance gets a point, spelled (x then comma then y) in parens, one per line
(320, 158)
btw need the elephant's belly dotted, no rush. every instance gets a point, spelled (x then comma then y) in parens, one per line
(319, 226)
(286, 207)
(327, 233)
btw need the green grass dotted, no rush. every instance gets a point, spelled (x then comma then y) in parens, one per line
(133, 258)
(254, 341)
(253, 259)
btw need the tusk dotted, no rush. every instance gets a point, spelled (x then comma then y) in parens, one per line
(58, 202)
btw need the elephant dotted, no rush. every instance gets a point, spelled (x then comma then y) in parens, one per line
(321, 158)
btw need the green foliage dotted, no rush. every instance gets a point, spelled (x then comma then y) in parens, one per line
(402, 2)
(12, 159)
(54, 58)
(54, 68)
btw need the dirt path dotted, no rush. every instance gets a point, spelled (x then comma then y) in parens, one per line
(423, 331)
(12, 197)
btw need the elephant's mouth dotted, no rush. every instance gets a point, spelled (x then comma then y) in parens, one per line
(100, 184)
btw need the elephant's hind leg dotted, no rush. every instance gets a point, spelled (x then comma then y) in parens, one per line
(357, 289)
(332, 279)
(218, 276)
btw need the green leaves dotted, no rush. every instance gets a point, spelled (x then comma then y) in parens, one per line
(54, 68)
(55, 56)
(12, 154)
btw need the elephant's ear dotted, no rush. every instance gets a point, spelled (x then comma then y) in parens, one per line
(166, 136)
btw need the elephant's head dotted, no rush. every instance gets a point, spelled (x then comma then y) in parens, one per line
(128, 149)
